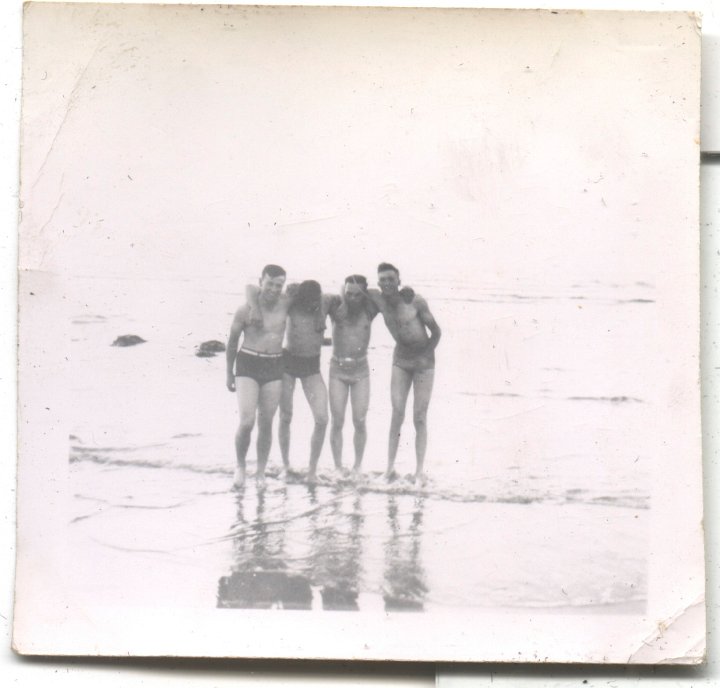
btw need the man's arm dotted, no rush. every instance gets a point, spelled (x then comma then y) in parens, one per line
(407, 294)
(238, 325)
(252, 296)
(331, 303)
(427, 319)
(291, 292)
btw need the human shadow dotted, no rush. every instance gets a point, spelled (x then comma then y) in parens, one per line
(404, 586)
(335, 563)
(260, 578)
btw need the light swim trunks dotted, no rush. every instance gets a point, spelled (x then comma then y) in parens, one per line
(349, 370)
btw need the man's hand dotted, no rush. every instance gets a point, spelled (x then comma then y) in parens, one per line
(407, 294)
(230, 382)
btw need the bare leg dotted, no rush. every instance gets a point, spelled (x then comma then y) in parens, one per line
(286, 413)
(422, 391)
(360, 400)
(338, 403)
(268, 401)
(400, 383)
(247, 391)
(317, 397)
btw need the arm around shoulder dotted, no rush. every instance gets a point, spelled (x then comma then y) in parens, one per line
(331, 302)
(428, 319)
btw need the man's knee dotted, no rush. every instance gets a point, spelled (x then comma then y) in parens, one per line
(321, 419)
(246, 423)
(338, 421)
(398, 415)
(264, 421)
(359, 423)
(420, 418)
(286, 416)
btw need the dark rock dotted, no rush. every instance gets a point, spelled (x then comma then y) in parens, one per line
(210, 348)
(128, 340)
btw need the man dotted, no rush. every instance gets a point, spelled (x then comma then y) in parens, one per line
(413, 361)
(257, 377)
(305, 309)
(351, 315)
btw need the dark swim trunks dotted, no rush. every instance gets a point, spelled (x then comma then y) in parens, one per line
(300, 366)
(262, 368)
(414, 362)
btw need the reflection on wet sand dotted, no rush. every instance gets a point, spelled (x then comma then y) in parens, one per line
(404, 587)
(336, 553)
(260, 579)
(314, 557)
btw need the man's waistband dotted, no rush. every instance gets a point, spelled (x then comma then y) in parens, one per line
(259, 354)
(286, 352)
(349, 359)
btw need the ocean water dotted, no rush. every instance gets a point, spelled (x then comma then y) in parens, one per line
(538, 486)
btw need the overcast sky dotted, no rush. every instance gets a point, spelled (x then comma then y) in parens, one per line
(180, 141)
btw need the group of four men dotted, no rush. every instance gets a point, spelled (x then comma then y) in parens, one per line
(264, 374)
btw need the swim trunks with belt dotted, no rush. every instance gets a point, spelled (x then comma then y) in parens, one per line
(262, 368)
(349, 370)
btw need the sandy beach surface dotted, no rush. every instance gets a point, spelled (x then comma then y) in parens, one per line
(536, 497)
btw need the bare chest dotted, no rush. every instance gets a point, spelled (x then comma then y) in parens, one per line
(401, 315)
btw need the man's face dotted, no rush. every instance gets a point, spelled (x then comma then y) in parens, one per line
(388, 281)
(353, 295)
(271, 287)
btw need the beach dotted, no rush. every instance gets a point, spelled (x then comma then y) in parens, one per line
(536, 495)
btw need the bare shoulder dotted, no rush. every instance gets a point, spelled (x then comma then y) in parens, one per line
(376, 298)
(241, 314)
(420, 302)
(371, 307)
(331, 299)
(423, 309)
(330, 303)
(240, 320)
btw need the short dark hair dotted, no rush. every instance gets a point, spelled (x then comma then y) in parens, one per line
(388, 266)
(273, 271)
(308, 297)
(360, 280)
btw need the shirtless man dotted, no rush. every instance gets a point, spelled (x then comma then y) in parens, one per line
(351, 315)
(257, 378)
(413, 361)
(306, 310)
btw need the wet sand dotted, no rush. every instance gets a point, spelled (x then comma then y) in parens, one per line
(537, 497)
(166, 536)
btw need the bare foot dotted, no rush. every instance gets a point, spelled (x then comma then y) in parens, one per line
(239, 478)
(391, 475)
(420, 479)
(311, 477)
(260, 479)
